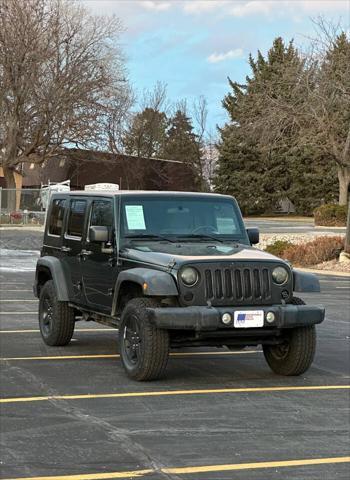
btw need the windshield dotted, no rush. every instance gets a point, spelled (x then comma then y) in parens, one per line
(182, 218)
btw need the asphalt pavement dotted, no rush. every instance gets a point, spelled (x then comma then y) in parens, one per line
(72, 413)
(20, 239)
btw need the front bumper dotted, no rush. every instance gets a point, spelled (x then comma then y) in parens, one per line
(209, 318)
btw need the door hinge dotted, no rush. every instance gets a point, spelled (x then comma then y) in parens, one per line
(171, 264)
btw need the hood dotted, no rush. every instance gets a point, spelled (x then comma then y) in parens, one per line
(165, 254)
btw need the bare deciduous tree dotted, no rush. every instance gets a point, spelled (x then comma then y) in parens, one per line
(145, 134)
(200, 116)
(61, 75)
(156, 98)
(117, 121)
(329, 101)
(317, 107)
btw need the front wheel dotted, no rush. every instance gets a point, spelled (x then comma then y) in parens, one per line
(295, 355)
(144, 349)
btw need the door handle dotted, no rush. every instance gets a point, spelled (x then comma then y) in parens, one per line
(112, 261)
(85, 253)
(65, 249)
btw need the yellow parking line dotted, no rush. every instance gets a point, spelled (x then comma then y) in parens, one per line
(196, 469)
(114, 355)
(12, 300)
(60, 357)
(92, 476)
(251, 466)
(76, 330)
(15, 290)
(175, 392)
(23, 312)
(19, 331)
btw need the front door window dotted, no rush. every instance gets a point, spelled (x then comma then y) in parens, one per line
(102, 216)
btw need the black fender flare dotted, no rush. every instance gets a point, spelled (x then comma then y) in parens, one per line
(305, 282)
(54, 265)
(152, 283)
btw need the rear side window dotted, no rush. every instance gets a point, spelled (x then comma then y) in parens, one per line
(56, 217)
(76, 218)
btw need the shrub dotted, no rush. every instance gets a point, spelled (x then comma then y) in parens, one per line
(5, 218)
(16, 215)
(331, 215)
(278, 247)
(322, 249)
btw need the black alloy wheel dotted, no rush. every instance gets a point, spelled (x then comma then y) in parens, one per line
(144, 349)
(295, 355)
(56, 318)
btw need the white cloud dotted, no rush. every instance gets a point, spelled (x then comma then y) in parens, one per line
(271, 7)
(253, 8)
(155, 5)
(204, 6)
(245, 8)
(325, 5)
(221, 57)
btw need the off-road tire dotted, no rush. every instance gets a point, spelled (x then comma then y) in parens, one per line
(152, 352)
(57, 328)
(296, 355)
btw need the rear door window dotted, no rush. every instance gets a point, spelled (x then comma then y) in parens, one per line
(76, 218)
(56, 217)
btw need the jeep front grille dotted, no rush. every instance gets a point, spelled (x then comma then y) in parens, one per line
(238, 284)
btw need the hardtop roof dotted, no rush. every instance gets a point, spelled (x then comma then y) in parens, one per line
(125, 193)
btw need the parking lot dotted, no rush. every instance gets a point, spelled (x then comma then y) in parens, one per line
(71, 413)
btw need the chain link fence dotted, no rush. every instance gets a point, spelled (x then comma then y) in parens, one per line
(21, 207)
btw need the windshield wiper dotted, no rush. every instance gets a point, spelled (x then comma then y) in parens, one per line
(203, 237)
(149, 237)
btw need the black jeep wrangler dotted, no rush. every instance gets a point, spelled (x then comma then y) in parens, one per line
(170, 269)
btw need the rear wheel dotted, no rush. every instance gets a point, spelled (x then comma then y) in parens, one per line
(144, 349)
(295, 355)
(56, 319)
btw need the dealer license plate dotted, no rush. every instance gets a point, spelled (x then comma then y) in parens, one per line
(248, 318)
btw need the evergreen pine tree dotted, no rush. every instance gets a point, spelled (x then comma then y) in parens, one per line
(262, 169)
(147, 133)
(182, 144)
(239, 171)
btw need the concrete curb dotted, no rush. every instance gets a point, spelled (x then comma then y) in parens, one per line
(320, 227)
(334, 273)
(282, 219)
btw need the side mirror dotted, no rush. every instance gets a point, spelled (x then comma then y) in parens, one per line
(253, 235)
(98, 234)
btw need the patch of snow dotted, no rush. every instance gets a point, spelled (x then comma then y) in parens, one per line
(18, 260)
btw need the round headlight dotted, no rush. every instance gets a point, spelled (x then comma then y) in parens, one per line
(280, 275)
(189, 276)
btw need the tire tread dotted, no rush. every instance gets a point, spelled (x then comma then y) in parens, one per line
(302, 350)
(156, 351)
(64, 318)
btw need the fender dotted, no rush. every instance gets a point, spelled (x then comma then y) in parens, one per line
(54, 265)
(305, 282)
(158, 283)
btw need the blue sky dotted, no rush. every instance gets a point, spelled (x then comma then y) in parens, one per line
(193, 46)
